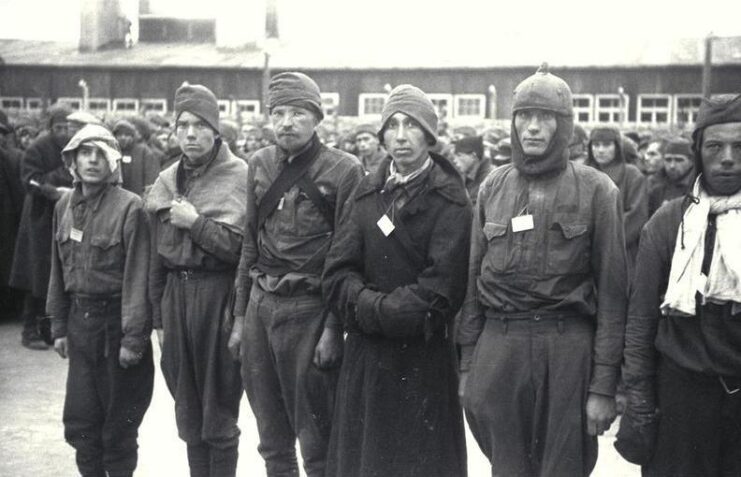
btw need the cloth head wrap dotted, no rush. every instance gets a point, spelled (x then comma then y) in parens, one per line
(296, 89)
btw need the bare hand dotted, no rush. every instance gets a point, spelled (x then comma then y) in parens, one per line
(60, 346)
(235, 338)
(462, 380)
(328, 351)
(160, 337)
(182, 213)
(600, 413)
(127, 358)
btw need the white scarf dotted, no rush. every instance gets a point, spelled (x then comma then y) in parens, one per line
(723, 283)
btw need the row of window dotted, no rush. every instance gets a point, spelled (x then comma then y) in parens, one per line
(654, 109)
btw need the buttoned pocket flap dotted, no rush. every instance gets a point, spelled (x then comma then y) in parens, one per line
(104, 242)
(492, 230)
(572, 230)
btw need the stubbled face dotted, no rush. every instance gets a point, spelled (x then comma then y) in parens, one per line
(721, 158)
(60, 133)
(195, 137)
(366, 143)
(91, 164)
(465, 161)
(603, 152)
(125, 139)
(535, 130)
(294, 126)
(676, 166)
(653, 159)
(406, 142)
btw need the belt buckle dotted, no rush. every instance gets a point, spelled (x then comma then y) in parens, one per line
(726, 388)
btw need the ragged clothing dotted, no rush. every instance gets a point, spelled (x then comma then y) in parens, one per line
(101, 248)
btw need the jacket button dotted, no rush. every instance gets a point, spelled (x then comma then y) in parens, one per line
(536, 317)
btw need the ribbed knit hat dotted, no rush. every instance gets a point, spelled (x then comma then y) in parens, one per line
(297, 89)
(413, 102)
(124, 124)
(199, 100)
(471, 144)
(58, 114)
(366, 129)
(543, 90)
(680, 146)
(723, 108)
(604, 134)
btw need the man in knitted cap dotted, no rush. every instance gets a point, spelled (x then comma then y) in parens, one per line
(290, 344)
(546, 300)
(139, 166)
(197, 208)
(45, 179)
(468, 158)
(677, 176)
(683, 337)
(99, 306)
(370, 151)
(395, 277)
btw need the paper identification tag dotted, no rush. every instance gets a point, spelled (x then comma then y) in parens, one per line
(126, 159)
(280, 203)
(76, 235)
(385, 224)
(702, 283)
(522, 223)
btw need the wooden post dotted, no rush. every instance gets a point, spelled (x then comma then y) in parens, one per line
(707, 66)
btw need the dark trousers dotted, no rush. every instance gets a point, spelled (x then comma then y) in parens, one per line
(699, 430)
(526, 394)
(33, 308)
(199, 371)
(105, 403)
(290, 397)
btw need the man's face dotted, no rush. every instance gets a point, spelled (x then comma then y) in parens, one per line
(676, 166)
(251, 142)
(60, 132)
(603, 152)
(125, 138)
(195, 137)
(366, 143)
(293, 125)
(535, 130)
(465, 161)
(721, 158)
(406, 141)
(653, 158)
(91, 164)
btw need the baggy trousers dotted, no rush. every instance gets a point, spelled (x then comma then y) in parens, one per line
(290, 397)
(526, 394)
(199, 371)
(699, 431)
(105, 403)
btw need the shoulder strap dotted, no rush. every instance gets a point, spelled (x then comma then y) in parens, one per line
(325, 207)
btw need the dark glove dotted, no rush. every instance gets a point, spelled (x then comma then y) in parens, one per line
(366, 312)
(636, 438)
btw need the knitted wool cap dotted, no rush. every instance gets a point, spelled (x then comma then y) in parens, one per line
(58, 114)
(413, 102)
(297, 89)
(678, 146)
(604, 134)
(543, 90)
(125, 126)
(199, 100)
(366, 129)
(724, 108)
(471, 144)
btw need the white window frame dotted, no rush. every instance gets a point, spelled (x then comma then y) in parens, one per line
(102, 100)
(361, 103)
(654, 110)
(693, 111)
(435, 97)
(119, 101)
(246, 102)
(225, 106)
(612, 110)
(161, 103)
(71, 102)
(589, 110)
(3, 99)
(29, 104)
(330, 100)
(481, 98)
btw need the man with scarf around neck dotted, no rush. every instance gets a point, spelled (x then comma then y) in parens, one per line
(543, 320)
(683, 336)
(197, 207)
(99, 306)
(605, 153)
(676, 177)
(395, 277)
(289, 344)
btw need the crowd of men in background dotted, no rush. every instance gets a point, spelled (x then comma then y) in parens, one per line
(365, 287)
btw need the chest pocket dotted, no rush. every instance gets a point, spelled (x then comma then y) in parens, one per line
(66, 247)
(106, 252)
(497, 245)
(569, 245)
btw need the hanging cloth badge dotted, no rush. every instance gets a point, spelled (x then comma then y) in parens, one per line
(385, 224)
(522, 223)
(126, 159)
(76, 234)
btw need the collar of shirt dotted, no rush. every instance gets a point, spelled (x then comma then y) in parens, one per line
(93, 200)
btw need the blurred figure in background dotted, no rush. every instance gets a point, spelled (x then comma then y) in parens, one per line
(369, 149)
(676, 177)
(139, 166)
(468, 159)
